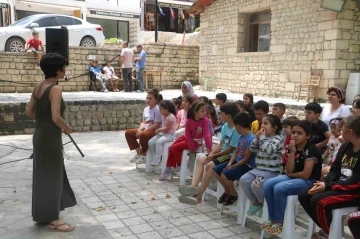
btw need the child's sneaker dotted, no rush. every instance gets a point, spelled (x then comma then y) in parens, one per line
(133, 160)
(166, 173)
(155, 162)
(141, 159)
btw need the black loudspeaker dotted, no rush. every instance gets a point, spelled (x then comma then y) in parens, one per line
(57, 41)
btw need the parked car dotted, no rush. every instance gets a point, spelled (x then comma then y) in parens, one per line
(81, 33)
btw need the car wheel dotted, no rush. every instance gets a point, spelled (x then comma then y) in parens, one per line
(15, 44)
(88, 42)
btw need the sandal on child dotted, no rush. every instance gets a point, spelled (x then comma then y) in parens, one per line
(275, 229)
(223, 198)
(188, 190)
(230, 200)
(55, 228)
(254, 209)
(266, 225)
(188, 200)
(261, 212)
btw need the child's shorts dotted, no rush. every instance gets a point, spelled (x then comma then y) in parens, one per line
(232, 174)
(222, 159)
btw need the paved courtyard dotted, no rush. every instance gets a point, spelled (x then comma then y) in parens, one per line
(115, 199)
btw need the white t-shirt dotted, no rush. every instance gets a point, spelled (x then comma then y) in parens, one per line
(343, 111)
(151, 116)
(128, 58)
(108, 70)
(333, 146)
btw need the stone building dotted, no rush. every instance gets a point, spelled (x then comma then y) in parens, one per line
(268, 47)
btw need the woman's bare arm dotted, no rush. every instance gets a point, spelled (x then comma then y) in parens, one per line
(55, 99)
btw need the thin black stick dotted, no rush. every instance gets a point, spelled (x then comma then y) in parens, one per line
(72, 140)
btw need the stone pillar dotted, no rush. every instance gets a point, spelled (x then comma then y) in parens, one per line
(142, 24)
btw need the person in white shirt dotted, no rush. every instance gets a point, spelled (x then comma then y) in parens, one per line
(336, 107)
(126, 62)
(110, 73)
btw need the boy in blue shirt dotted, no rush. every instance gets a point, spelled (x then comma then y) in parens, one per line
(140, 66)
(95, 69)
(242, 161)
(222, 153)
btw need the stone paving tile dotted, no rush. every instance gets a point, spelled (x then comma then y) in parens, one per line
(128, 203)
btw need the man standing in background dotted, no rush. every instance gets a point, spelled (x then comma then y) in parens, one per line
(126, 62)
(140, 66)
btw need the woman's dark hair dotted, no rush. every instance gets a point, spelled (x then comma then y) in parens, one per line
(352, 122)
(51, 63)
(168, 105)
(242, 119)
(274, 122)
(211, 110)
(195, 107)
(203, 99)
(155, 92)
(188, 98)
(241, 103)
(357, 104)
(176, 102)
(251, 97)
(291, 121)
(305, 125)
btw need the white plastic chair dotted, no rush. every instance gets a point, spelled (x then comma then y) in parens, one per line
(164, 158)
(337, 225)
(187, 166)
(244, 200)
(289, 221)
(239, 207)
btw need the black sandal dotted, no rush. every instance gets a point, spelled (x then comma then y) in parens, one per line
(223, 198)
(230, 200)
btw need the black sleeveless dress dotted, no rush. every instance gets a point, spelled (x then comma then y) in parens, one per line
(51, 188)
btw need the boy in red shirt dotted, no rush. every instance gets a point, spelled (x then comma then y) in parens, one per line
(35, 46)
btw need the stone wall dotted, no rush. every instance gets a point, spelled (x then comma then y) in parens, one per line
(83, 116)
(86, 116)
(178, 63)
(303, 37)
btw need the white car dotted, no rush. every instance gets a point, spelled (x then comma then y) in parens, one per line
(81, 33)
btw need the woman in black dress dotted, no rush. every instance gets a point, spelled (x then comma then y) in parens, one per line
(51, 188)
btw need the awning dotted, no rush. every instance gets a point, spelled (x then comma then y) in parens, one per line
(199, 6)
(174, 4)
(64, 4)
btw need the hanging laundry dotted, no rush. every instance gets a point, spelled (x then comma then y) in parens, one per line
(161, 11)
(172, 13)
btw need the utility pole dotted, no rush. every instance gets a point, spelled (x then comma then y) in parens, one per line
(156, 20)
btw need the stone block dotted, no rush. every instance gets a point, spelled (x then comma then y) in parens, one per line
(8, 117)
(322, 65)
(333, 34)
(330, 54)
(278, 48)
(350, 66)
(325, 25)
(342, 44)
(330, 74)
(338, 64)
(344, 74)
(343, 24)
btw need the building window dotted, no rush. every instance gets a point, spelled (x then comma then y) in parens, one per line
(259, 31)
(112, 28)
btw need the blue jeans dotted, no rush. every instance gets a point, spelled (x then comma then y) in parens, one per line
(140, 78)
(276, 191)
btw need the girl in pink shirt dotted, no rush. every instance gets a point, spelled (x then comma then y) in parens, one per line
(181, 117)
(166, 133)
(196, 130)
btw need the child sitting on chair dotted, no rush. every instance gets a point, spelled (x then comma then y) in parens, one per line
(302, 169)
(242, 161)
(196, 130)
(341, 186)
(110, 73)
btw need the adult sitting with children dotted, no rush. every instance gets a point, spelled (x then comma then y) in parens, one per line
(336, 107)
(187, 89)
(95, 69)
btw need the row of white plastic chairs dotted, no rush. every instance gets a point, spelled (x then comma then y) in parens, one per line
(188, 164)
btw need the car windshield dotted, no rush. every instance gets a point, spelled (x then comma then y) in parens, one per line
(23, 22)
